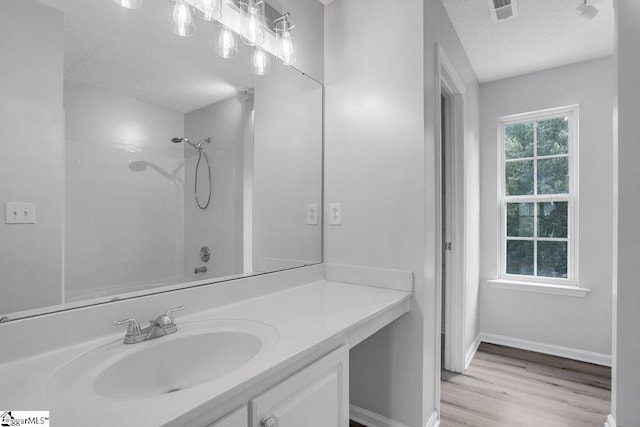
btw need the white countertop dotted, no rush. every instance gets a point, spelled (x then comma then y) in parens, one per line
(305, 318)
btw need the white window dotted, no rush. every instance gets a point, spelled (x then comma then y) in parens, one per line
(538, 196)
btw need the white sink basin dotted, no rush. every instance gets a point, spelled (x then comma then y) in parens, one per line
(199, 353)
(177, 364)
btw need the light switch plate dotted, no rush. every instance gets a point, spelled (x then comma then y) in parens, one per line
(19, 213)
(312, 214)
(335, 214)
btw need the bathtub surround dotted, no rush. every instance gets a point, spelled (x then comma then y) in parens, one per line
(220, 226)
(125, 193)
(563, 325)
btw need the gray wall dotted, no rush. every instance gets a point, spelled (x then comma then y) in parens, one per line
(578, 323)
(626, 375)
(287, 171)
(379, 154)
(32, 156)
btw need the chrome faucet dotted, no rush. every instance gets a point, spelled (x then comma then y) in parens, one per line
(161, 326)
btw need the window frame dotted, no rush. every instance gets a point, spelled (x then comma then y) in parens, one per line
(572, 113)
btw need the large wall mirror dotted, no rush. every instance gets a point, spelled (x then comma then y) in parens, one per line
(133, 160)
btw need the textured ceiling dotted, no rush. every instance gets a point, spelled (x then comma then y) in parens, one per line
(546, 34)
(132, 52)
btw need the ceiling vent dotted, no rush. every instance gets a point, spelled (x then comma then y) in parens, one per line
(502, 10)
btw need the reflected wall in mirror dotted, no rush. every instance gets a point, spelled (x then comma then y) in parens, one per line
(91, 108)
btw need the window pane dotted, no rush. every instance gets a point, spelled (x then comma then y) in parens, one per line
(553, 136)
(518, 141)
(553, 176)
(519, 177)
(553, 219)
(520, 257)
(520, 219)
(552, 259)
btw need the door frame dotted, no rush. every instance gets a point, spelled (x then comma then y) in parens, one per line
(449, 85)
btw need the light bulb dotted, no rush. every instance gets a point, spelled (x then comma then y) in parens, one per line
(253, 32)
(286, 51)
(129, 4)
(226, 43)
(260, 62)
(209, 10)
(181, 19)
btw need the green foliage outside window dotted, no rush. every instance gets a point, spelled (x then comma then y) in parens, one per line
(537, 164)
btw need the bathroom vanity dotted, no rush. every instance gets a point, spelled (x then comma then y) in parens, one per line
(273, 351)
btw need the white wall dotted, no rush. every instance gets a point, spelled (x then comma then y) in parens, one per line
(577, 323)
(32, 153)
(287, 170)
(124, 224)
(380, 116)
(626, 375)
(219, 227)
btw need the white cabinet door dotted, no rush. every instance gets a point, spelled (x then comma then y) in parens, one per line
(238, 418)
(316, 396)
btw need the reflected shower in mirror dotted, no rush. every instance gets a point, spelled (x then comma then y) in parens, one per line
(139, 149)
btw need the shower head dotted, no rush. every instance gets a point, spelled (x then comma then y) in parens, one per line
(179, 139)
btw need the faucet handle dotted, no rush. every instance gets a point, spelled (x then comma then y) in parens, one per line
(168, 313)
(133, 328)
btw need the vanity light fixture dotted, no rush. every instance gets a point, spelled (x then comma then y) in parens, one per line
(260, 62)
(181, 18)
(286, 48)
(129, 4)
(209, 10)
(253, 28)
(587, 11)
(226, 45)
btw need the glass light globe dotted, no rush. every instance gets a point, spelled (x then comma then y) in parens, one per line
(181, 18)
(209, 10)
(129, 4)
(226, 42)
(260, 62)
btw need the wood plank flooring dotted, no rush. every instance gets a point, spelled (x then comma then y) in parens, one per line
(506, 387)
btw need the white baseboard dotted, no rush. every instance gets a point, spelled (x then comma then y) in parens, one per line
(610, 421)
(471, 352)
(433, 420)
(555, 350)
(371, 419)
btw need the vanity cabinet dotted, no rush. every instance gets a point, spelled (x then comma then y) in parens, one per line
(316, 396)
(238, 418)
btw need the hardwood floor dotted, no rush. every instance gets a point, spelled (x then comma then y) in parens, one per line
(506, 387)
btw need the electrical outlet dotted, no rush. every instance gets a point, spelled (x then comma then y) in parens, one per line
(335, 214)
(312, 214)
(19, 213)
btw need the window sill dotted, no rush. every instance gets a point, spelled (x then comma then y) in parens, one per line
(540, 288)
